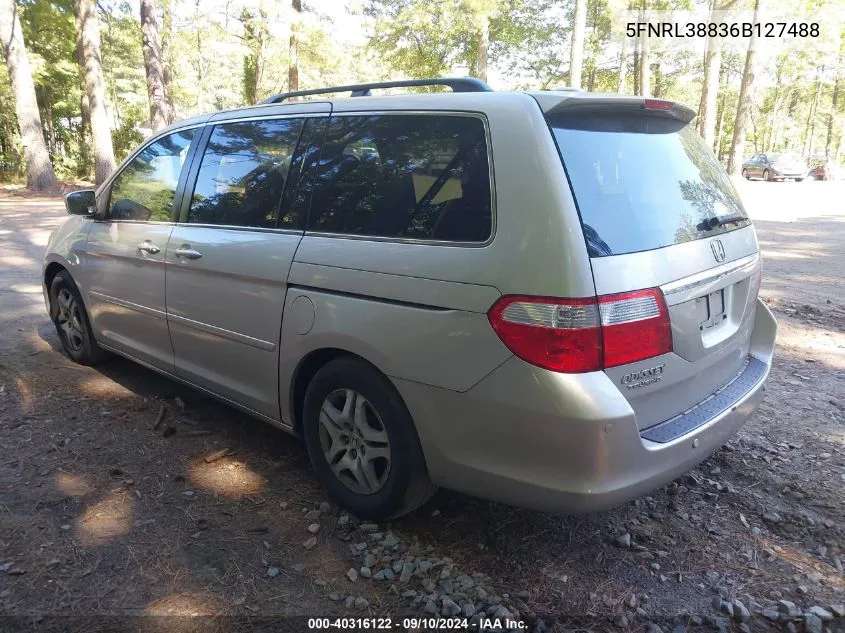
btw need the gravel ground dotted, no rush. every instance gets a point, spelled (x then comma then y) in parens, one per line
(212, 513)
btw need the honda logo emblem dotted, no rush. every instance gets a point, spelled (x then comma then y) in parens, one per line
(718, 250)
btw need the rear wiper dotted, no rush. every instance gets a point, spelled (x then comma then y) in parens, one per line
(711, 223)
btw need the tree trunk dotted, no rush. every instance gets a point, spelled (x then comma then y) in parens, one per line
(576, 55)
(482, 45)
(49, 125)
(157, 88)
(88, 39)
(109, 82)
(166, 36)
(645, 70)
(637, 46)
(811, 119)
(834, 108)
(710, 90)
(39, 169)
(777, 98)
(744, 102)
(200, 74)
(11, 147)
(710, 86)
(658, 80)
(255, 34)
(85, 138)
(719, 146)
(293, 48)
(623, 66)
(645, 61)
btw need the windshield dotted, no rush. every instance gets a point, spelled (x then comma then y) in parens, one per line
(643, 182)
(784, 157)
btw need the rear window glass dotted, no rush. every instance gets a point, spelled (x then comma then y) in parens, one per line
(643, 182)
(404, 176)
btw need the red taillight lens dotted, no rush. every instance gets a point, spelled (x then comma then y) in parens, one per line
(558, 334)
(635, 325)
(580, 335)
(657, 104)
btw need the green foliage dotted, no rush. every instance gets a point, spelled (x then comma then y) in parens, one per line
(123, 58)
(127, 136)
(225, 53)
(49, 33)
(419, 38)
(530, 38)
(255, 39)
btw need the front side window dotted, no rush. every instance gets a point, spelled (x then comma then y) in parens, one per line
(144, 190)
(243, 172)
(404, 176)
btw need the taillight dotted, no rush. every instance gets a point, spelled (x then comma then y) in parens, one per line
(635, 325)
(558, 334)
(580, 335)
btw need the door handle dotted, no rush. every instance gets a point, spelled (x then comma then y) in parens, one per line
(148, 247)
(187, 252)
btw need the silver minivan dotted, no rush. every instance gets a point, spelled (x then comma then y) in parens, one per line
(547, 299)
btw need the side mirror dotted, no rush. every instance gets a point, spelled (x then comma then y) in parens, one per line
(81, 202)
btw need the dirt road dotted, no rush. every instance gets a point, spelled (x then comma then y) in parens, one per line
(102, 512)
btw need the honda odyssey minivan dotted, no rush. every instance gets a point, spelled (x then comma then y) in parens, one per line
(542, 298)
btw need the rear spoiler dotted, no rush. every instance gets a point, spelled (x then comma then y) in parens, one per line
(582, 104)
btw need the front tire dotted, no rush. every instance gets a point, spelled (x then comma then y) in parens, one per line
(362, 442)
(745, 173)
(67, 311)
(767, 176)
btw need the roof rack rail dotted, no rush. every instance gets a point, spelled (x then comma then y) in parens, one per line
(457, 84)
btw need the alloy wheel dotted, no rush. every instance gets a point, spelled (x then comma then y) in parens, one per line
(70, 319)
(354, 441)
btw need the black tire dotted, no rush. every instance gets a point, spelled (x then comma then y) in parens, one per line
(72, 323)
(799, 180)
(745, 174)
(406, 485)
(766, 175)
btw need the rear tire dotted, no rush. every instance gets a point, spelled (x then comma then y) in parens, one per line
(362, 442)
(67, 311)
(799, 180)
(745, 174)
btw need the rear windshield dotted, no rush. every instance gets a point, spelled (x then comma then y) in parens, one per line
(784, 157)
(643, 182)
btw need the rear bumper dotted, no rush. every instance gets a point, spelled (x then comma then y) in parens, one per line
(558, 442)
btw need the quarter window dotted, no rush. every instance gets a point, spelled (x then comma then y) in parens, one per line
(404, 176)
(144, 190)
(243, 172)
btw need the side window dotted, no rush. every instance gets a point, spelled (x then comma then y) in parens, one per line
(403, 175)
(302, 172)
(144, 190)
(243, 172)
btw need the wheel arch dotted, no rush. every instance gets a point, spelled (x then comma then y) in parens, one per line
(308, 367)
(50, 271)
